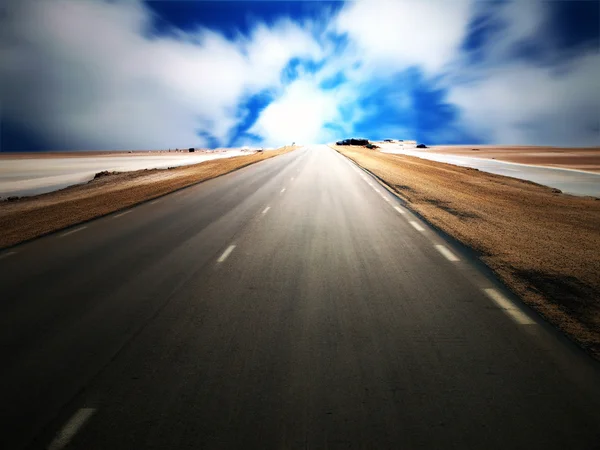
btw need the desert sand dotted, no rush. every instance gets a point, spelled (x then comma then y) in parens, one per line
(587, 159)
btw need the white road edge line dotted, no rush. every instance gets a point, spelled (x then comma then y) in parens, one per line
(447, 253)
(71, 428)
(121, 214)
(7, 254)
(416, 226)
(509, 307)
(226, 253)
(266, 209)
(397, 208)
(73, 231)
(282, 191)
(155, 201)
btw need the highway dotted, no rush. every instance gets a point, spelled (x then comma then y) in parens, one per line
(292, 304)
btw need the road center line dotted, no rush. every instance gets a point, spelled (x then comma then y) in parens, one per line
(417, 226)
(397, 208)
(447, 253)
(7, 254)
(266, 209)
(121, 214)
(73, 231)
(71, 428)
(509, 307)
(226, 253)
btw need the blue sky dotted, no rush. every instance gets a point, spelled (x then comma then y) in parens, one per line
(96, 74)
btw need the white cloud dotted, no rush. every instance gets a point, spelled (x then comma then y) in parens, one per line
(86, 73)
(298, 115)
(395, 34)
(524, 101)
(521, 20)
(524, 104)
(89, 74)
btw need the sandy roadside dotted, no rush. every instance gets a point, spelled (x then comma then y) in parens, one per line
(544, 245)
(587, 159)
(100, 154)
(30, 217)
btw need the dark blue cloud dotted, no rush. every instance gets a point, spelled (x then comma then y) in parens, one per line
(212, 141)
(17, 138)
(249, 112)
(574, 24)
(233, 17)
(414, 105)
(482, 28)
(569, 25)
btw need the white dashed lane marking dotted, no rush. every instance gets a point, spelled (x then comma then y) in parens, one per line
(397, 208)
(7, 254)
(509, 307)
(266, 209)
(417, 226)
(71, 428)
(121, 214)
(226, 253)
(73, 231)
(282, 191)
(447, 253)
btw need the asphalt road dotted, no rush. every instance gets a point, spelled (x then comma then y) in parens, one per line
(292, 304)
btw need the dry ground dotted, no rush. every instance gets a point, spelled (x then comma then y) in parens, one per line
(544, 245)
(97, 154)
(570, 158)
(30, 217)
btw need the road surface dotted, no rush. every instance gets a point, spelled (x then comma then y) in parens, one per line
(292, 304)
(569, 181)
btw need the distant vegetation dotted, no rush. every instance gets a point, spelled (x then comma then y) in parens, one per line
(357, 141)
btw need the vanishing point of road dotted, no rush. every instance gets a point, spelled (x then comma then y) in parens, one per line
(293, 304)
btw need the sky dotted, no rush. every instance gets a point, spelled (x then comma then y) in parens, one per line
(133, 74)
